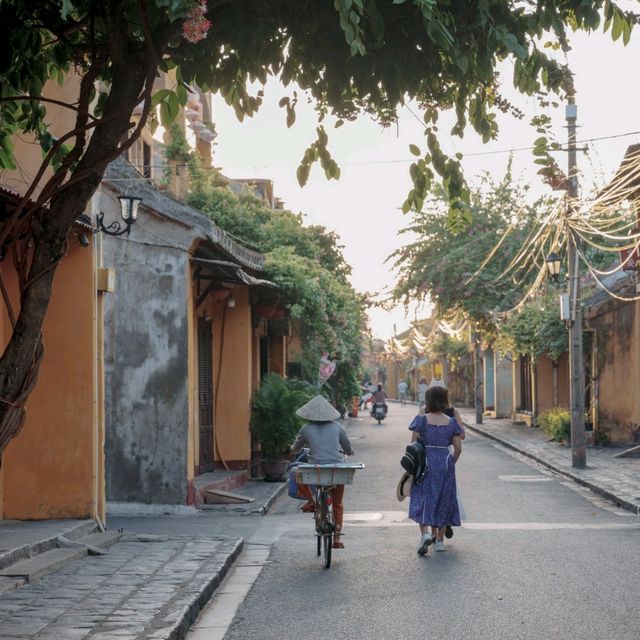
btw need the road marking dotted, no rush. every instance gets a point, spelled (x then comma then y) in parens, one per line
(217, 616)
(400, 519)
(525, 478)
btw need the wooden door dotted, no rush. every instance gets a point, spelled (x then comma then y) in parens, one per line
(205, 394)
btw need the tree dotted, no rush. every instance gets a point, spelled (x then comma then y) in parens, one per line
(307, 264)
(535, 330)
(461, 272)
(351, 56)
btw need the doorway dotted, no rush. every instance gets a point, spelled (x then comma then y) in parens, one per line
(205, 395)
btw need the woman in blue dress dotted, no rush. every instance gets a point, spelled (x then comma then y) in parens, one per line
(434, 501)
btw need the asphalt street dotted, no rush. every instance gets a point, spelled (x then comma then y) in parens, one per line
(537, 557)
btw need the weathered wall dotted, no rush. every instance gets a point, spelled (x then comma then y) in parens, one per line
(51, 469)
(489, 380)
(619, 400)
(146, 363)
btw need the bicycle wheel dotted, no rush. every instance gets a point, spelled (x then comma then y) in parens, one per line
(327, 539)
(319, 518)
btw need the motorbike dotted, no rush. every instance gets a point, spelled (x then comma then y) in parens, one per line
(378, 411)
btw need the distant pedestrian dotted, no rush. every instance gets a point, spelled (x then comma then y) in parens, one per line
(422, 389)
(434, 503)
(402, 392)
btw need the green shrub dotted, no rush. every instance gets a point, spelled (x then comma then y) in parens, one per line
(556, 423)
(274, 422)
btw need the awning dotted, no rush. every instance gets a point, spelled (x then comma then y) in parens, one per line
(231, 272)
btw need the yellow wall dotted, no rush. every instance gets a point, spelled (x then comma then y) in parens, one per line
(52, 468)
(27, 151)
(619, 400)
(233, 375)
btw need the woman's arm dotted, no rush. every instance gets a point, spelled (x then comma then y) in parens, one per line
(458, 418)
(414, 436)
(457, 447)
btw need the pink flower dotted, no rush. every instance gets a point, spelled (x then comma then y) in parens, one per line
(196, 26)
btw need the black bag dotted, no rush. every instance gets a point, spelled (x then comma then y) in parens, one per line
(414, 461)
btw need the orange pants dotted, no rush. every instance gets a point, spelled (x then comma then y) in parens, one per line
(338, 506)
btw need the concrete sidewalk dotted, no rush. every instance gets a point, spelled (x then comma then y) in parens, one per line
(147, 587)
(617, 479)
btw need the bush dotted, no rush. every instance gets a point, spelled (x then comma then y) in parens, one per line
(556, 423)
(274, 422)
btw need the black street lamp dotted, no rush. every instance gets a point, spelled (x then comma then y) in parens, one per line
(129, 214)
(553, 267)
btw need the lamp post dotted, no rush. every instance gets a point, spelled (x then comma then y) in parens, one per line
(129, 214)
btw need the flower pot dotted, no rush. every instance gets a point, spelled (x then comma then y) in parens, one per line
(274, 470)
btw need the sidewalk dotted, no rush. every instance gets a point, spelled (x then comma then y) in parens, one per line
(617, 480)
(146, 587)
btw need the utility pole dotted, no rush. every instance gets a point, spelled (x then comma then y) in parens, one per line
(478, 376)
(576, 364)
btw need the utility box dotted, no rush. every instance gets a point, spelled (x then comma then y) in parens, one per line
(565, 311)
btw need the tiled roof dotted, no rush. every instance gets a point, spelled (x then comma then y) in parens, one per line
(120, 173)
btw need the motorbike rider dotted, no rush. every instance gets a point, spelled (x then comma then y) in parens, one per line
(379, 397)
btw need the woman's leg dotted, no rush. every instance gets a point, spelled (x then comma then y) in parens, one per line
(425, 539)
(338, 512)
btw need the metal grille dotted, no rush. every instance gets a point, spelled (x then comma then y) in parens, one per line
(205, 394)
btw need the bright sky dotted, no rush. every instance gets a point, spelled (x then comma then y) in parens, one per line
(363, 206)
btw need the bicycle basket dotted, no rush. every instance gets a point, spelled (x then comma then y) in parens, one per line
(326, 474)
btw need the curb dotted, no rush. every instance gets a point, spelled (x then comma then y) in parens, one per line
(601, 491)
(190, 613)
(264, 509)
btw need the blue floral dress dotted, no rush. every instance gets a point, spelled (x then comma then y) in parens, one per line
(434, 502)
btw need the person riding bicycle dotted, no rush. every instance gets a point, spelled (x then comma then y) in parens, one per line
(328, 443)
(379, 397)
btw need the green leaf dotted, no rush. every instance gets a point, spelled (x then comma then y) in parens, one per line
(159, 96)
(415, 150)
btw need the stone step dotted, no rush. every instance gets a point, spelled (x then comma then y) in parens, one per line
(80, 531)
(43, 563)
(102, 540)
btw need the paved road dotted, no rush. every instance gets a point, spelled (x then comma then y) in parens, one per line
(537, 558)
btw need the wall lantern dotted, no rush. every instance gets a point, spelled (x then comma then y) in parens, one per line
(553, 267)
(128, 212)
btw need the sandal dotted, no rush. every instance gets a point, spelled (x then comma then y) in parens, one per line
(337, 544)
(309, 507)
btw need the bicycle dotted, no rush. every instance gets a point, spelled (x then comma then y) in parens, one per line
(325, 477)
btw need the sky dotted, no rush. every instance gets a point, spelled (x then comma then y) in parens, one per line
(363, 207)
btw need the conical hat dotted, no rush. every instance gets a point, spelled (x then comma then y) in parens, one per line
(317, 410)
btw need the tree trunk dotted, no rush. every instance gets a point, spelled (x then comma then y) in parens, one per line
(19, 363)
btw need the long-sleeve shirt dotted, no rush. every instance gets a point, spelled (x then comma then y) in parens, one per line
(325, 440)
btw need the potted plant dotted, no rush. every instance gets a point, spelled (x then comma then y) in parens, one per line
(274, 422)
